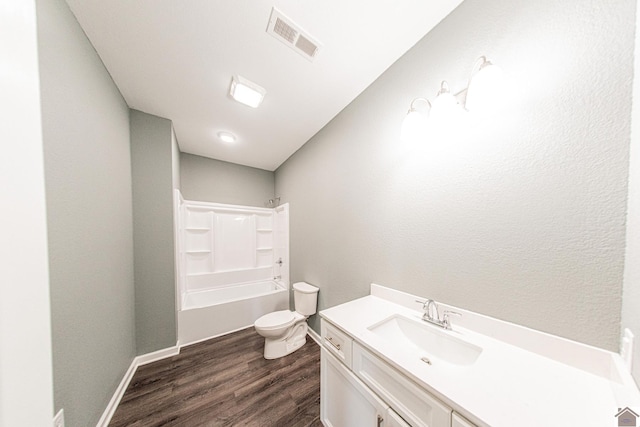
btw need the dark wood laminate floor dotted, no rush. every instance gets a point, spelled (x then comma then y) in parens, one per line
(225, 381)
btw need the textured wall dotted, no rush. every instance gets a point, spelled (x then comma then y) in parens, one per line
(222, 182)
(631, 290)
(88, 191)
(518, 213)
(153, 239)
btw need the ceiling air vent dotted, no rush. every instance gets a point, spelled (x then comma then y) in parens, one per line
(285, 30)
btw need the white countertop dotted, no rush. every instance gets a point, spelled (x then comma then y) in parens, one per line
(508, 384)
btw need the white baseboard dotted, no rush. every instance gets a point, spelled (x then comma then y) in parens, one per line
(314, 336)
(122, 387)
(58, 420)
(117, 395)
(157, 355)
(207, 338)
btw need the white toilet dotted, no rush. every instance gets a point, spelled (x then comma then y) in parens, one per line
(286, 331)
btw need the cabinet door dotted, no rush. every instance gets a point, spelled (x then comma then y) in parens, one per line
(394, 420)
(344, 400)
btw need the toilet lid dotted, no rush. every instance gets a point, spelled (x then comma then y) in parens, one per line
(275, 319)
(305, 288)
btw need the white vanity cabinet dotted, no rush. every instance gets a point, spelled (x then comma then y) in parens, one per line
(358, 389)
(483, 372)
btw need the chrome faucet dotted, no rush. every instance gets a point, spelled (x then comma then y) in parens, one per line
(430, 308)
(432, 316)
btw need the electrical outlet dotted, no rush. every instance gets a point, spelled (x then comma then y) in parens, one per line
(58, 420)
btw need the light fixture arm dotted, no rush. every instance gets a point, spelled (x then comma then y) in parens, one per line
(444, 88)
(479, 65)
(412, 106)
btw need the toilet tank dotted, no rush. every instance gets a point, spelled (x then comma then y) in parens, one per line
(305, 298)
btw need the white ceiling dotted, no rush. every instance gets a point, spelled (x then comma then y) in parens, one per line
(175, 59)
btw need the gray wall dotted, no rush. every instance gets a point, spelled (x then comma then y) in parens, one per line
(89, 218)
(152, 151)
(212, 180)
(518, 214)
(175, 160)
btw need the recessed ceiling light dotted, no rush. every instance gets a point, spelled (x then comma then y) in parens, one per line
(246, 92)
(227, 137)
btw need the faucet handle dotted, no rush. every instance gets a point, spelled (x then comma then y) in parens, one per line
(449, 312)
(445, 318)
(424, 303)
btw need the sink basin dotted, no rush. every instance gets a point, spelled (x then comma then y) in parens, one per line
(440, 344)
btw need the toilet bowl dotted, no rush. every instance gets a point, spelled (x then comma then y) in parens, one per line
(285, 331)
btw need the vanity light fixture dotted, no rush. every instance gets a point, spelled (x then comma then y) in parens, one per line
(246, 91)
(227, 137)
(480, 91)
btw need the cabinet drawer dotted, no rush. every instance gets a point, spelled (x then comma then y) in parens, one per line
(337, 342)
(414, 404)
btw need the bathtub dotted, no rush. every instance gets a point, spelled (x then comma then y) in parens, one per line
(210, 313)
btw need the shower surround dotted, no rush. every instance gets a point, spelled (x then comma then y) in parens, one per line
(233, 266)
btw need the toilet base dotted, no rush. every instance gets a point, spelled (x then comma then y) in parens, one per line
(275, 348)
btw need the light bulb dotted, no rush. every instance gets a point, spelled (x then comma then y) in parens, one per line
(484, 87)
(444, 108)
(414, 126)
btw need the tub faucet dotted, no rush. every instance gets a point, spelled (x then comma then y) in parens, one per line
(432, 316)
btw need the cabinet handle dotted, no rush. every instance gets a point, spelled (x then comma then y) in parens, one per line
(380, 420)
(330, 340)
